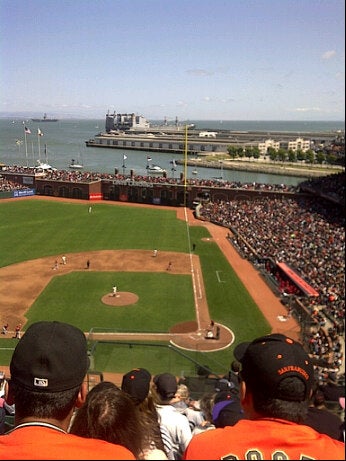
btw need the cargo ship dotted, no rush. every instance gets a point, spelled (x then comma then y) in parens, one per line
(44, 119)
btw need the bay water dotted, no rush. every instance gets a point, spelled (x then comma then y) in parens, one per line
(64, 140)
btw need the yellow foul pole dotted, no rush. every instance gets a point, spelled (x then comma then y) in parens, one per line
(185, 167)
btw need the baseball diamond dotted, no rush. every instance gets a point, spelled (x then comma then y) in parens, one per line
(23, 282)
(20, 292)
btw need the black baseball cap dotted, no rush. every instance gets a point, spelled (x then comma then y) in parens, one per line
(136, 383)
(166, 385)
(50, 357)
(267, 360)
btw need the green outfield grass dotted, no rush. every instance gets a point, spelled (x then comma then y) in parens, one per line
(40, 228)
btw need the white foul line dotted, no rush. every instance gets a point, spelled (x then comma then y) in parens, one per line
(218, 277)
(194, 274)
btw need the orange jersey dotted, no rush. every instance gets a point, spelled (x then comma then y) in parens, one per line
(35, 442)
(264, 439)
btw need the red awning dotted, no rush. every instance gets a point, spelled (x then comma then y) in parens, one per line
(297, 280)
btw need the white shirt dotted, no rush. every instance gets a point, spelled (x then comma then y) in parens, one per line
(178, 428)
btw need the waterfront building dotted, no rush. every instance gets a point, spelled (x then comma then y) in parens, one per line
(264, 146)
(124, 122)
(297, 144)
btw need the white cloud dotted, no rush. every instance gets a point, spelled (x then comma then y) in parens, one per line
(307, 109)
(199, 72)
(329, 54)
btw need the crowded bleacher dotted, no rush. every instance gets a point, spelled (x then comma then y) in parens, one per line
(308, 235)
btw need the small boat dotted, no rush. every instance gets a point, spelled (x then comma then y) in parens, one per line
(75, 166)
(155, 169)
(44, 119)
(41, 166)
(194, 171)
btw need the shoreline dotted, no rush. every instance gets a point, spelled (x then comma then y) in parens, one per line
(268, 168)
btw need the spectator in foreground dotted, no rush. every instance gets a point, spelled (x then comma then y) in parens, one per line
(48, 369)
(227, 409)
(136, 383)
(206, 403)
(164, 388)
(276, 382)
(110, 414)
(181, 401)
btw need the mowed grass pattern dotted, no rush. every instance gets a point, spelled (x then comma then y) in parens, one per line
(79, 300)
(31, 229)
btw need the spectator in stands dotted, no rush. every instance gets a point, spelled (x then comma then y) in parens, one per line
(233, 374)
(230, 381)
(48, 369)
(136, 383)
(227, 409)
(164, 388)
(111, 414)
(332, 390)
(296, 231)
(181, 401)
(322, 419)
(206, 403)
(277, 378)
(5, 408)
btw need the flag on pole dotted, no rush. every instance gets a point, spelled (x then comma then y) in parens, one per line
(27, 131)
(39, 132)
(149, 159)
(124, 157)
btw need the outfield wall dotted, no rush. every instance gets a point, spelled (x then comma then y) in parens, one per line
(129, 190)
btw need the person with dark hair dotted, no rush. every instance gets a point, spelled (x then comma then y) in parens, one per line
(322, 419)
(332, 389)
(111, 414)
(164, 388)
(48, 370)
(206, 403)
(277, 378)
(230, 381)
(136, 383)
(233, 374)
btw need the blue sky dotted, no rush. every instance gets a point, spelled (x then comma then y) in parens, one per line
(194, 59)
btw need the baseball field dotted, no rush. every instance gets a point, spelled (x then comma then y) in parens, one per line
(163, 305)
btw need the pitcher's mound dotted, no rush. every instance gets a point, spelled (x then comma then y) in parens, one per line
(122, 298)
